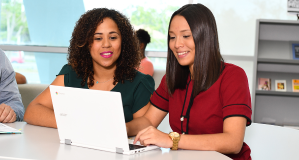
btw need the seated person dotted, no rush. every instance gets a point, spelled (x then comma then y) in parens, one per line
(21, 79)
(208, 100)
(11, 106)
(146, 66)
(103, 55)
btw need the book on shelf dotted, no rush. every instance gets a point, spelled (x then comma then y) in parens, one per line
(295, 48)
(295, 85)
(264, 84)
(280, 85)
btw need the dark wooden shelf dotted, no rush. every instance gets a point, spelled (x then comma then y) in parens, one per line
(277, 93)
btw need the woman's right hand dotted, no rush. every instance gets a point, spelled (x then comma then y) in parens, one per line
(152, 135)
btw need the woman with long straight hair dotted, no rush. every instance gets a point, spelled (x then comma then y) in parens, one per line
(208, 100)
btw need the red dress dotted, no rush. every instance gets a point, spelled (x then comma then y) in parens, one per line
(229, 96)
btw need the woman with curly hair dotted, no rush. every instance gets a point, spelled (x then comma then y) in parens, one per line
(103, 55)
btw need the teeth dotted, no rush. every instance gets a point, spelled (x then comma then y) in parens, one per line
(182, 53)
(106, 54)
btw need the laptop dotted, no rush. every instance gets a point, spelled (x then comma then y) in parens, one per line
(92, 119)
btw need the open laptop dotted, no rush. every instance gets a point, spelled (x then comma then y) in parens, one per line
(93, 119)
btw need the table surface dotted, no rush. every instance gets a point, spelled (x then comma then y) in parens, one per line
(42, 143)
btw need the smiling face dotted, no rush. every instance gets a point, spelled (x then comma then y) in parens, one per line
(181, 41)
(106, 46)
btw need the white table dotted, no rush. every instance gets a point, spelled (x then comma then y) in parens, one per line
(41, 143)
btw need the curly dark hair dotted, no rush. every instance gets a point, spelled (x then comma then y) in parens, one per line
(82, 37)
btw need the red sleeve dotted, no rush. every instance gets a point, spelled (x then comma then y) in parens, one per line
(235, 94)
(160, 97)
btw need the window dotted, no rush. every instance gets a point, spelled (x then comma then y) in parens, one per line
(152, 16)
(236, 21)
(13, 26)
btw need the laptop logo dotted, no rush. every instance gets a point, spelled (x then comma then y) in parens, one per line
(63, 114)
(60, 93)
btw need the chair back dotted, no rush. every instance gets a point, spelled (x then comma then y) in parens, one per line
(30, 91)
(272, 142)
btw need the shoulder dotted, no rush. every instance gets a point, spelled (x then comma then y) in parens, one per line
(233, 76)
(71, 78)
(4, 62)
(140, 77)
(146, 61)
(3, 57)
(232, 70)
(66, 69)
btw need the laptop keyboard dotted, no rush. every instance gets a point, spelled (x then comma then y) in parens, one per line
(133, 147)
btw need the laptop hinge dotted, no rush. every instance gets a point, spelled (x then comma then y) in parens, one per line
(119, 150)
(68, 141)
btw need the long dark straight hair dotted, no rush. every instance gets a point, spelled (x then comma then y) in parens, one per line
(208, 62)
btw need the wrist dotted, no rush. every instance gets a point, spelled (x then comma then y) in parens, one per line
(175, 137)
(170, 142)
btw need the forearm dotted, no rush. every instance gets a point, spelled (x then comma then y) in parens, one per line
(37, 114)
(9, 92)
(136, 125)
(21, 79)
(222, 142)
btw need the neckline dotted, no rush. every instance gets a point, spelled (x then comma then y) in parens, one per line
(113, 89)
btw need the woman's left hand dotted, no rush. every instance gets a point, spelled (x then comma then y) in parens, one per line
(152, 135)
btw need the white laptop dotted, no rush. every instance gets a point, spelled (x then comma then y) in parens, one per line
(93, 119)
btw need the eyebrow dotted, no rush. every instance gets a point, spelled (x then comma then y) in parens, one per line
(109, 33)
(181, 30)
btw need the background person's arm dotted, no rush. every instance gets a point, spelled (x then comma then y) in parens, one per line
(21, 79)
(9, 93)
(40, 111)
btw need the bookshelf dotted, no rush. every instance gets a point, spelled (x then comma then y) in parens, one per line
(274, 60)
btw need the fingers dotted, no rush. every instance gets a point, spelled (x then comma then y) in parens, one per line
(7, 114)
(139, 134)
(147, 138)
(152, 135)
(3, 112)
(8, 117)
(145, 134)
(14, 118)
(147, 142)
(11, 117)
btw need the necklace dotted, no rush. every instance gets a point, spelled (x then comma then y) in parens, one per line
(104, 81)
